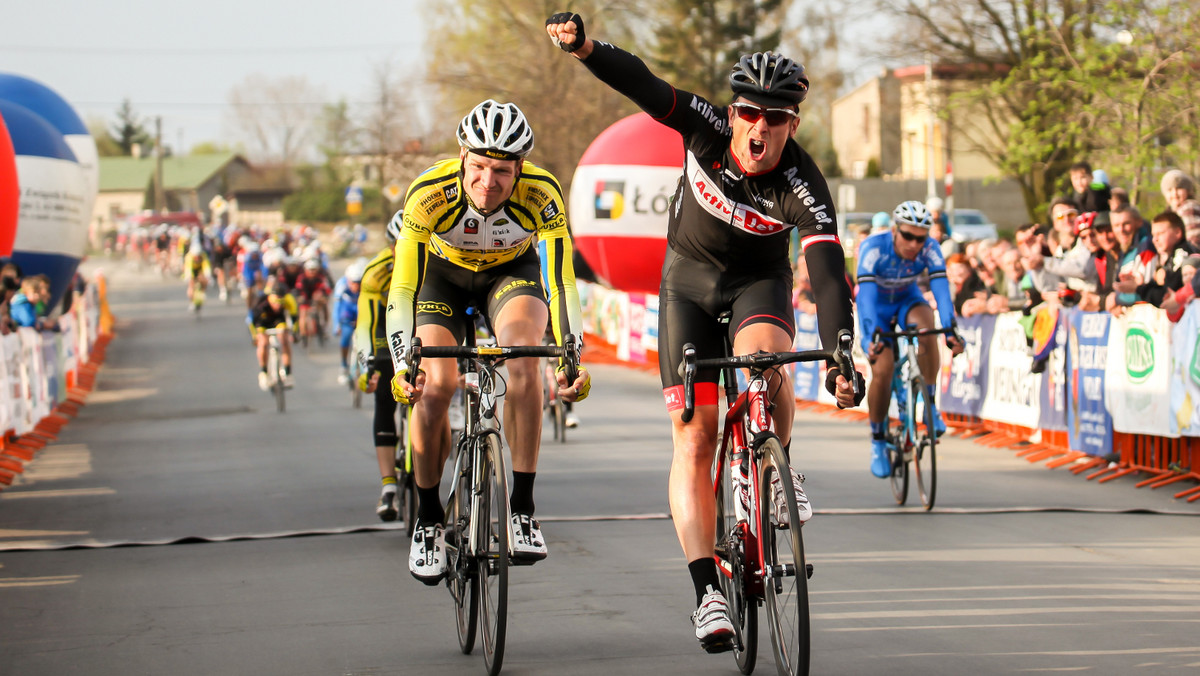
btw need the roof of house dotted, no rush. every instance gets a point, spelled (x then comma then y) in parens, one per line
(120, 174)
(264, 180)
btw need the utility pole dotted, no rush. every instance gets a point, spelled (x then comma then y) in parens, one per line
(160, 201)
(930, 182)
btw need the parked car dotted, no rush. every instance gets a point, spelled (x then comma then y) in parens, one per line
(968, 225)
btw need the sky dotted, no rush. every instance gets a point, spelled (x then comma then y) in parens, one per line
(179, 60)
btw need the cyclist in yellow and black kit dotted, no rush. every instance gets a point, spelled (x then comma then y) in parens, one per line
(275, 309)
(486, 229)
(370, 339)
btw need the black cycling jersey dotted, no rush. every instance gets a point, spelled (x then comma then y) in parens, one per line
(738, 222)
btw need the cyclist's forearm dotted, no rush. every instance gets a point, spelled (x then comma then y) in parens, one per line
(558, 276)
(630, 76)
(827, 269)
(411, 259)
(867, 300)
(940, 287)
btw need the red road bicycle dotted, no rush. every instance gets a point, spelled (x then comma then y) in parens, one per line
(758, 551)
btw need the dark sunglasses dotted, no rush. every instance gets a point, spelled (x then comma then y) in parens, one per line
(911, 237)
(775, 116)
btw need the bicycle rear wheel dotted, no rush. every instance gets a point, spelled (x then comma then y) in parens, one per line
(461, 578)
(899, 475)
(493, 562)
(925, 446)
(730, 554)
(785, 572)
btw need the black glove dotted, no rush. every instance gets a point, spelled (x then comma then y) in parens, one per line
(831, 375)
(580, 36)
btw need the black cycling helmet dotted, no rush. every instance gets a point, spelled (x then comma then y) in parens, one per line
(769, 79)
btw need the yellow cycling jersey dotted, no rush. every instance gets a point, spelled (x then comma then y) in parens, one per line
(196, 265)
(372, 299)
(440, 219)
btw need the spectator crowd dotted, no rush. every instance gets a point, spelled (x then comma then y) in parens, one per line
(1098, 252)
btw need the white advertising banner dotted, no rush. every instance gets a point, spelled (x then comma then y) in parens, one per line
(1185, 375)
(1013, 394)
(1137, 377)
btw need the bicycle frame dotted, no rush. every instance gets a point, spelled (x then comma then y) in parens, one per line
(747, 416)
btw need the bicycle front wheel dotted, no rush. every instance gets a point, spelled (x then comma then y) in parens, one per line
(404, 474)
(493, 561)
(461, 579)
(925, 447)
(730, 554)
(785, 572)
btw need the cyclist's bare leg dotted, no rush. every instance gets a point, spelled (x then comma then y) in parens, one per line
(386, 455)
(928, 357)
(689, 487)
(430, 425)
(879, 394)
(285, 349)
(772, 338)
(260, 342)
(522, 321)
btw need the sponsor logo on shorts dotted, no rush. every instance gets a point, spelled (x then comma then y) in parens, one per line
(513, 285)
(433, 307)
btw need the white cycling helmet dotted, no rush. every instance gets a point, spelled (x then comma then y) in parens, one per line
(250, 246)
(312, 264)
(354, 273)
(272, 257)
(496, 130)
(912, 213)
(392, 233)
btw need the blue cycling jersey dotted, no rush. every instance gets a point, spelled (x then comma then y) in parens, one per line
(886, 280)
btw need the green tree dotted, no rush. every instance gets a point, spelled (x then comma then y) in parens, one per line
(1142, 78)
(106, 145)
(130, 129)
(700, 40)
(1040, 85)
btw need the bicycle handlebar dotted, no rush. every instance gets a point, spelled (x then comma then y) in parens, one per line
(914, 333)
(761, 361)
(569, 350)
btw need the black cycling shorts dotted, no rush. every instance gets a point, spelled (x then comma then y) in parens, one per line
(692, 296)
(449, 289)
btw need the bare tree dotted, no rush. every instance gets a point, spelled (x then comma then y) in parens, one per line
(275, 116)
(502, 52)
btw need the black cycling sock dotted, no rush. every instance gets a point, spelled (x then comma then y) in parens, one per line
(429, 507)
(287, 368)
(704, 575)
(522, 492)
(264, 369)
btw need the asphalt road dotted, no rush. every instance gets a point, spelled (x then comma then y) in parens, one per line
(181, 526)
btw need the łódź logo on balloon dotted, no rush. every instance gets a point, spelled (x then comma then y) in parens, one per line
(10, 192)
(51, 226)
(620, 196)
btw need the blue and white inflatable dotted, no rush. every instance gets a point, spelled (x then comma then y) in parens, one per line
(55, 202)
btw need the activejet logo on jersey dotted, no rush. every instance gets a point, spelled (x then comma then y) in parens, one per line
(757, 223)
(800, 188)
(710, 114)
(610, 199)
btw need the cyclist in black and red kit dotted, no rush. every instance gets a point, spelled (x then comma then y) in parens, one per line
(746, 184)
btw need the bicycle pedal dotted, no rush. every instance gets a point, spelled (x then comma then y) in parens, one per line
(808, 570)
(717, 644)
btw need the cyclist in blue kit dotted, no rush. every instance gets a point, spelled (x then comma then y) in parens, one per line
(889, 265)
(746, 185)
